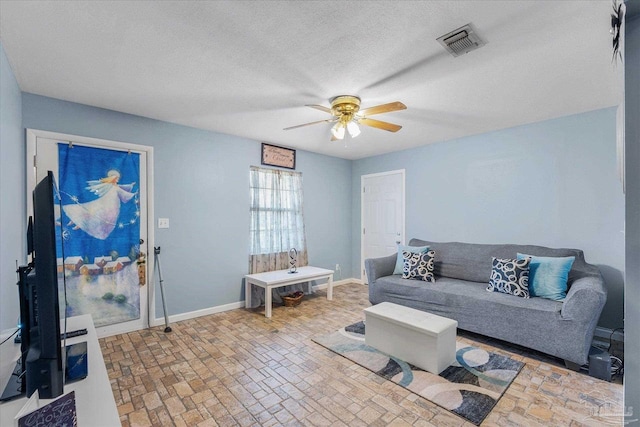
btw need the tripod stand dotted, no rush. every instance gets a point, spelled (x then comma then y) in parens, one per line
(156, 254)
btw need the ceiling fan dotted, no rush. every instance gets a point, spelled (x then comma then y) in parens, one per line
(347, 115)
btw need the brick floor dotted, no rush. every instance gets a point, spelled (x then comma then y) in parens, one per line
(238, 368)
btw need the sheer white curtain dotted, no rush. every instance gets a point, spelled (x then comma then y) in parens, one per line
(277, 225)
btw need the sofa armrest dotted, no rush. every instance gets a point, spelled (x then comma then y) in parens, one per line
(585, 299)
(379, 267)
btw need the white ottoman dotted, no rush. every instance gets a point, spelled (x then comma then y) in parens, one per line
(423, 339)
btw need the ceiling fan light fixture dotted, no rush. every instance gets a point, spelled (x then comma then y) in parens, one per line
(353, 129)
(338, 130)
(347, 116)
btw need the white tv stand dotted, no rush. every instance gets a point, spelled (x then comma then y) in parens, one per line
(95, 405)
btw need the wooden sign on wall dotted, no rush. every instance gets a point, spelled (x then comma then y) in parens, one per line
(278, 156)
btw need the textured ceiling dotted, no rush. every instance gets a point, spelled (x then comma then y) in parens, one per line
(248, 68)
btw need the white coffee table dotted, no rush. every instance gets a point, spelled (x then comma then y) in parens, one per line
(275, 279)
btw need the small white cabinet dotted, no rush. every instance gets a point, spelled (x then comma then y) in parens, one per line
(423, 339)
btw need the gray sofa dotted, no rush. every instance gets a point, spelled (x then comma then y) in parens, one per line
(560, 328)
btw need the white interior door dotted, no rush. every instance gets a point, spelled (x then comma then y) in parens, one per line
(382, 216)
(114, 288)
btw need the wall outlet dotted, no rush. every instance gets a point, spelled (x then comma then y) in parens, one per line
(163, 222)
(337, 267)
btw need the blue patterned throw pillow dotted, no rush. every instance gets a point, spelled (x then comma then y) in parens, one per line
(418, 266)
(510, 276)
(548, 276)
(400, 259)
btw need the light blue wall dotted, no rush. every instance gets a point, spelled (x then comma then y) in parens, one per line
(552, 183)
(202, 186)
(12, 188)
(632, 171)
(327, 210)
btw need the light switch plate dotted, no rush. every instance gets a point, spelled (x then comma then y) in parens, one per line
(163, 222)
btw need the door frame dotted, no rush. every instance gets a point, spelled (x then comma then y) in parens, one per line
(402, 173)
(34, 134)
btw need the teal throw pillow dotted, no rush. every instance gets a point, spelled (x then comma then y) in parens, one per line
(548, 276)
(400, 259)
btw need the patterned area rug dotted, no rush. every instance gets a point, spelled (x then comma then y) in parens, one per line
(470, 387)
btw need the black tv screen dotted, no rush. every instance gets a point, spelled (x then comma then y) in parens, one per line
(44, 366)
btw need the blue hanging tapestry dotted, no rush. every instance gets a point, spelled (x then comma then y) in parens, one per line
(100, 219)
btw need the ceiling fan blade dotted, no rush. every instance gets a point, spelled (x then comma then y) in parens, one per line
(380, 125)
(384, 108)
(309, 124)
(320, 107)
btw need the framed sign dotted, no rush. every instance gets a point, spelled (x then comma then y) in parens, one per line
(278, 156)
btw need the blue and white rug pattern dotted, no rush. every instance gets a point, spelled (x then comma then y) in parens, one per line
(470, 387)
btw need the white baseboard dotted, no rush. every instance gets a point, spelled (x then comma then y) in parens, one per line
(116, 329)
(232, 306)
(603, 334)
(337, 283)
(197, 313)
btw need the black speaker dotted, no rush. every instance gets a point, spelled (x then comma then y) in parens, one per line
(599, 364)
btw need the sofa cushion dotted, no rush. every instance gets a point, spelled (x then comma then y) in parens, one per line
(517, 320)
(548, 276)
(471, 261)
(463, 260)
(418, 266)
(400, 260)
(461, 298)
(510, 276)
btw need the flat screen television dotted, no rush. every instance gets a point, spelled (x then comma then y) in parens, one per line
(41, 364)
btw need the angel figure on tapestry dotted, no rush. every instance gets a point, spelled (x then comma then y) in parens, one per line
(99, 217)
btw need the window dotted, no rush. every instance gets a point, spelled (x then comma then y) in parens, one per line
(277, 222)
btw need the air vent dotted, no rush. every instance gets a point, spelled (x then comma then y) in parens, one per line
(461, 41)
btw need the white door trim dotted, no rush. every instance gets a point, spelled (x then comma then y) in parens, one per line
(402, 172)
(33, 134)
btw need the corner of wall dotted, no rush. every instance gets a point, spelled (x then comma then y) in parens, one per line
(13, 202)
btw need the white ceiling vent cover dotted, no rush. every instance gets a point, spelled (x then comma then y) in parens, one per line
(461, 41)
